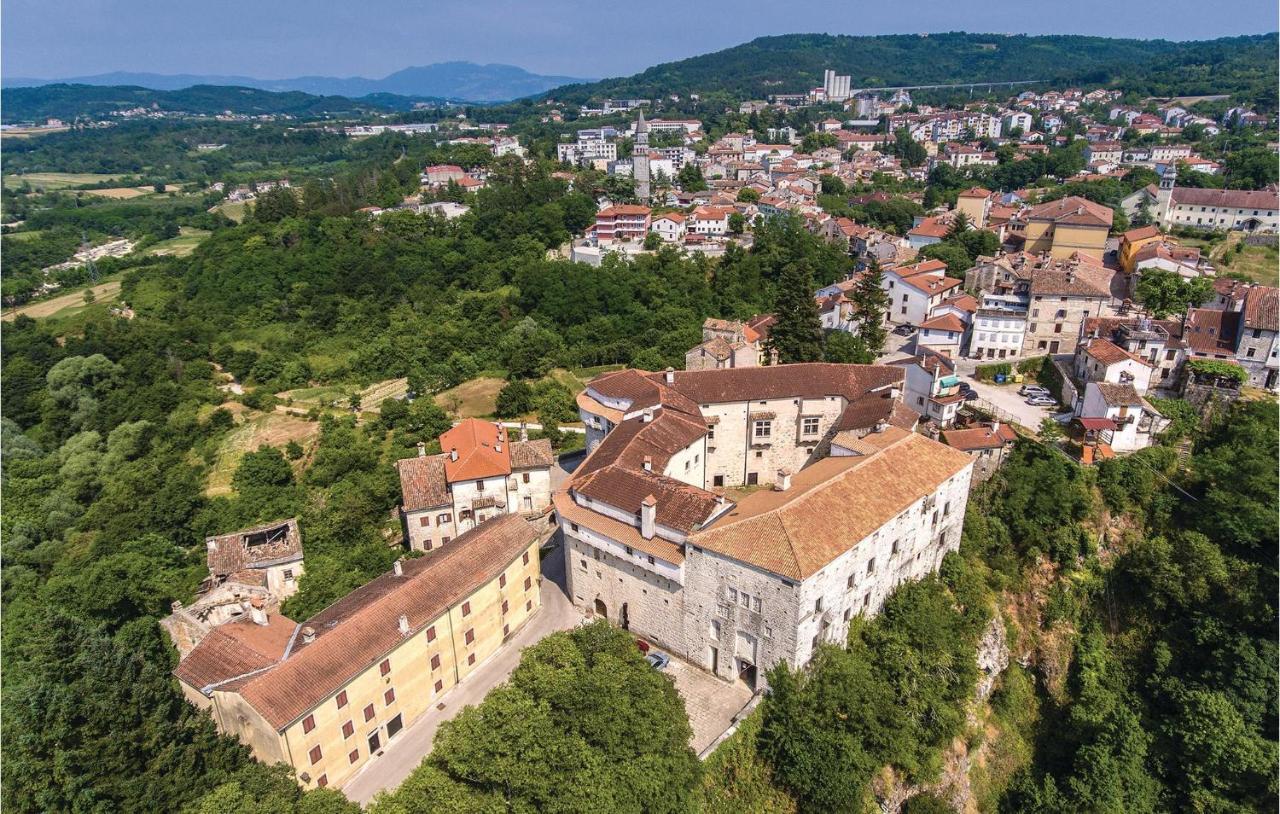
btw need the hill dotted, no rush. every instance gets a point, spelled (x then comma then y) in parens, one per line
(794, 63)
(69, 101)
(460, 81)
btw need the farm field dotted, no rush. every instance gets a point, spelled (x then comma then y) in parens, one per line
(255, 429)
(235, 210)
(182, 245)
(58, 180)
(65, 304)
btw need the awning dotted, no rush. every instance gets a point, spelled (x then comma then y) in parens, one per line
(948, 381)
(1097, 423)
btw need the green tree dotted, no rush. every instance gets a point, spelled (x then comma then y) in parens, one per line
(796, 336)
(1167, 292)
(870, 303)
(737, 223)
(514, 399)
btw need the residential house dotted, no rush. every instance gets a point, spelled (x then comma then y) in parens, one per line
(975, 203)
(932, 387)
(1125, 421)
(1100, 360)
(729, 343)
(1258, 351)
(944, 333)
(479, 476)
(914, 291)
(1065, 227)
(987, 444)
(622, 222)
(670, 226)
(1062, 297)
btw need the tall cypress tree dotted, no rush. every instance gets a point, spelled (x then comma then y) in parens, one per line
(870, 302)
(797, 335)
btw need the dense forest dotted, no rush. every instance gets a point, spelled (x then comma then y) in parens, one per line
(793, 63)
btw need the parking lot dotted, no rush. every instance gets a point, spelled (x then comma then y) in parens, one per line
(710, 703)
(1005, 397)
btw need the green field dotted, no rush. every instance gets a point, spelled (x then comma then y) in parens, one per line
(1258, 263)
(57, 180)
(182, 245)
(233, 209)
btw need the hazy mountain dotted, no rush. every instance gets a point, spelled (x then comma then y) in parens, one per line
(464, 81)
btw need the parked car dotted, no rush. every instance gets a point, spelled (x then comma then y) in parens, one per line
(1042, 401)
(658, 661)
(970, 395)
(1033, 390)
(906, 329)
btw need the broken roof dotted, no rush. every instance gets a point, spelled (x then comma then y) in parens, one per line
(258, 547)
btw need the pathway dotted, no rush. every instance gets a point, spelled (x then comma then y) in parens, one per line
(49, 307)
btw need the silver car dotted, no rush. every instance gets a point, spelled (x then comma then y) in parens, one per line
(1033, 390)
(1042, 401)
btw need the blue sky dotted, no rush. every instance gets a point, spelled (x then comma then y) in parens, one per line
(283, 38)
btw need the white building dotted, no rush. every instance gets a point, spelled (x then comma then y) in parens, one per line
(670, 226)
(1124, 419)
(479, 476)
(915, 290)
(999, 327)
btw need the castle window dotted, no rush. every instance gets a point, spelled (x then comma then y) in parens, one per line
(385, 666)
(763, 429)
(809, 426)
(315, 754)
(435, 662)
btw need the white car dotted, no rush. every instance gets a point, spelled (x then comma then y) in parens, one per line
(1042, 401)
(1033, 390)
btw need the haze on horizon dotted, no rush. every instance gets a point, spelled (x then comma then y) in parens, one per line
(287, 38)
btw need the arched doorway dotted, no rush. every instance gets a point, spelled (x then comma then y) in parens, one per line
(601, 610)
(624, 618)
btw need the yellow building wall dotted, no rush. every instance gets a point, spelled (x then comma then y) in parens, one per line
(1068, 240)
(411, 677)
(975, 209)
(1039, 236)
(1128, 252)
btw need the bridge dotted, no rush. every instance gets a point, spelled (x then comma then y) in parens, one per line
(969, 85)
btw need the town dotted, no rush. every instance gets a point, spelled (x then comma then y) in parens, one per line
(648, 450)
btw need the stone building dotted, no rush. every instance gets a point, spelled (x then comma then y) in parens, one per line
(480, 475)
(729, 343)
(326, 695)
(737, 580)
(1258, 349)
(1062, 296)
(257, 567)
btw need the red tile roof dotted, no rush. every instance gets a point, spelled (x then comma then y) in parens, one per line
(975, 438)
(360, 629)
(945, 322)
(483, 451)
(1072, 211)
(234, 650)
(257, 547)
(1261, 304)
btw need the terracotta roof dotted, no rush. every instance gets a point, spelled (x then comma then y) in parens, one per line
(807, 380)
(257, 547)
(680, 506)
(483, 451)
(979, 438)
(797, 532)
(1261, 307)
(590, 405)
(1108, 353)
(1213, 332)
(964, 302)
(1118, 395)
(360, 629)
(234, 649)
(976, 192)
(633, 440)
(422, 482)
(622, 209)
(930, 283)
(532, 454)
(1072, 211)
(1260, 199)
(945, 322)
(1081, 281)
(616, 530)
(1141, 233)
(930, 227)
(864, 413)
(1096, 423)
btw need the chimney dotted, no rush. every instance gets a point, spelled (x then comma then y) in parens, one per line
(783, 483)
(648, 463)
(524, 431)
(258, 610)
(497, 447)
(995, 427)
(670, 375)
(895, 393)
(453, 454)
(422, 449)
(404, 625)
(647, 415)
(648, 516)
(308, 634)
(397, 568)
(880, 426)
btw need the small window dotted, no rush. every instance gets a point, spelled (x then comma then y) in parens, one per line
(651, 560)
(424, 522)
(480, 485)
(288, 575)
(322, 780)
(504, 606)
(435, 662)
(439, 685)
(385, 666)
(431, 633)
(717, 480)
(368, 713)
(502, 581)
(315, 754)
(817, 605)
(471, 659)
(763, 429)
(466, 608)
(528, 583)
(342, 699)
(471, 636)
(871, 565)
(525, 558)
(389, 697)
(849, 582)
(506, 631)
(525, 476)
(308, 723)
(348, 729)
(441, 519)
(353, 756)
(528, 606)
(809, 426)
(866, 600)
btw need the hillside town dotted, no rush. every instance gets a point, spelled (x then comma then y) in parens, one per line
(830, 449)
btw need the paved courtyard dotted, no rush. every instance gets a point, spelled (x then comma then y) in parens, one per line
(710, 703)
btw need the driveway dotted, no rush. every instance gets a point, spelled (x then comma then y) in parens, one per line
(407, 751)
(711, 704)
(1009, 405)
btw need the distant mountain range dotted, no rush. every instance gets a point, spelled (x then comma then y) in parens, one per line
(457, 81)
